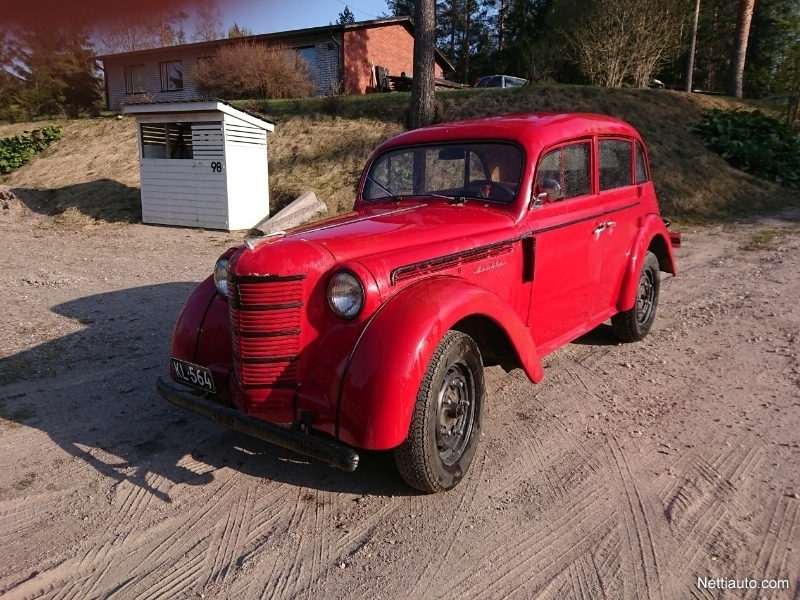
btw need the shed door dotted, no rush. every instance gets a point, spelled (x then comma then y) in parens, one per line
(208, 152)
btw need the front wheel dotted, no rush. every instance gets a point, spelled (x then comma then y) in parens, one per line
(446, 423)
(634, 324)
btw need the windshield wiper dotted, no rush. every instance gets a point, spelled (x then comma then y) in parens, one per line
(453, 199)
(392, 195)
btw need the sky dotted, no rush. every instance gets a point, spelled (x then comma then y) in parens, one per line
(260, 16)
(269, 17)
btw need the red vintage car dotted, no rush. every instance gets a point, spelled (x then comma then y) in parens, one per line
(492, 241)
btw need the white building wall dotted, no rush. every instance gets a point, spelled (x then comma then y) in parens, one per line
(246, 164)
(327, 73)
(183, 192)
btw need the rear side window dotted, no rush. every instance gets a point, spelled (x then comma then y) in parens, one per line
(615, 164)
(641, 166)
(570, 167)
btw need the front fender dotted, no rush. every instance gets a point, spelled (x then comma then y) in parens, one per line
(652, 235)
(386, 368)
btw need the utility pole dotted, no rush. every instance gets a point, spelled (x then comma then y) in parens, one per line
(692, 47)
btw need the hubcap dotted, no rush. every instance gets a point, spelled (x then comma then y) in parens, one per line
(646, 297)
(455, 413)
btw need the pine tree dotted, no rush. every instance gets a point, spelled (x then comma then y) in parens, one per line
(346, 17)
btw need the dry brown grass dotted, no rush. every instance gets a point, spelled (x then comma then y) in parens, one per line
(91, 176)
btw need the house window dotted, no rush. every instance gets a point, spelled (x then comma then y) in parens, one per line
(310, 56)
(135, 80)
(167, 140)
(171, 76)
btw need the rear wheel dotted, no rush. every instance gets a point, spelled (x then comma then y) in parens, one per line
(446, 423)
(634, 324)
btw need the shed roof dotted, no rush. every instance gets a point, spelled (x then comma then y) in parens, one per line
(197, 106)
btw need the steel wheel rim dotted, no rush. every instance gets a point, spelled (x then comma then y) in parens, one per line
(645, 298)
(455, 413)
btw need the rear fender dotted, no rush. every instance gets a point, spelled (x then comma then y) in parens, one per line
(384, 373)
(654, 237)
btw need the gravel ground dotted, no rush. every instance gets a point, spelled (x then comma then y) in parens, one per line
(630, 472)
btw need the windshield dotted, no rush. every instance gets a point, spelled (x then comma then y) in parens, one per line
(484, 170)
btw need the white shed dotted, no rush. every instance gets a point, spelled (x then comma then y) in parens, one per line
(202, 164)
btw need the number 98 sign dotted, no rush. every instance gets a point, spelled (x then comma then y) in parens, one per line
(216, 167)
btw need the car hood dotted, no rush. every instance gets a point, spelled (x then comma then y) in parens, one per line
(421, 226)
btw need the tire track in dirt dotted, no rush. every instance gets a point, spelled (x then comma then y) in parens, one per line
(442, 552)
(545, 550)
(227, 540)
(639, 521)
(780, 535)
(701, 502)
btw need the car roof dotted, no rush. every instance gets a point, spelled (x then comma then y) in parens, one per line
(529, 129)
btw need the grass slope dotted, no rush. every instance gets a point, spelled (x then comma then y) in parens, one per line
(321, 144)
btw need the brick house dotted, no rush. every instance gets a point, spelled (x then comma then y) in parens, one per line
(337, 54)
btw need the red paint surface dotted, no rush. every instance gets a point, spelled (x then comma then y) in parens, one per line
(359, 379)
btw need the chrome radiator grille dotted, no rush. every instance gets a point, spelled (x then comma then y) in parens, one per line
(265, 322)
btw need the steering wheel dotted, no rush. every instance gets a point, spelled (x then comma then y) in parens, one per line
(485, 188)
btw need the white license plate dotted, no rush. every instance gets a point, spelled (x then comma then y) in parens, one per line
(193, 375)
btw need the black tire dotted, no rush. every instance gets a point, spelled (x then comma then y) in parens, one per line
(634, 324)
(446, 422)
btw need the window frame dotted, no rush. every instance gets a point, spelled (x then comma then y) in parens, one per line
(129, 78)
(645, 159)
(163, 71)
(617, 138)
(560, 146)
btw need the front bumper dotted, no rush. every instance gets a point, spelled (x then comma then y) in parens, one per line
(338, 455)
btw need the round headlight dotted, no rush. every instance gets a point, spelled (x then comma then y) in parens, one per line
(221, 276)
(345, 295)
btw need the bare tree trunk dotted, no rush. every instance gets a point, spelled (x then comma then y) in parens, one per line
(501, 15)
(736, 69)
(466, 44)
(423, 99)
(692, 47)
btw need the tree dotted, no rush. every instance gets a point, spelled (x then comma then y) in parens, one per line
(401, 8)
(692, 47)
(208, 22)
(129, 34)
(621, 41)
(253, 70)
(237, 31)
(423, 95)
(739, 50)
(346, 17)
(55, 72)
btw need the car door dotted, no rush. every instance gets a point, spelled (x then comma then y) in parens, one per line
(567, 248)
(620, 180)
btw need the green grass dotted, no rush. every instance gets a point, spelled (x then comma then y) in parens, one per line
(767, 238)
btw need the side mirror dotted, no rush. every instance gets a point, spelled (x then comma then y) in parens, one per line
(546, 190)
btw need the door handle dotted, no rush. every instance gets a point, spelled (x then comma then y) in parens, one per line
(599, 229)
(611, 224)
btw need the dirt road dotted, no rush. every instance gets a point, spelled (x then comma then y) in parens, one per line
(631, 471)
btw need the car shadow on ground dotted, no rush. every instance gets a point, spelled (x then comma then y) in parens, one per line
(93, 393)
(602, 335)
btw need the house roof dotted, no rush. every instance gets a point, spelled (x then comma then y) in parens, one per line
(209, 47)
(184, 106)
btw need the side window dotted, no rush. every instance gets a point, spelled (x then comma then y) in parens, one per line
(570, 167)
(615, 164)
(641, 166)
(550, 167)
(577, 176)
